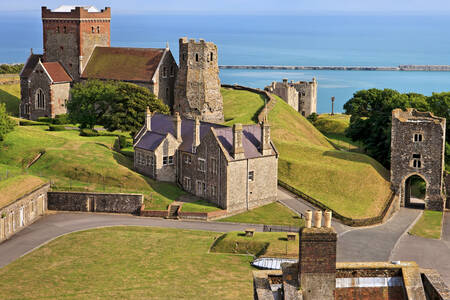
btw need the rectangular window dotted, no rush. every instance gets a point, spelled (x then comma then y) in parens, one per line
(213, 190)
(165, 160)
(418, 137)
(172, 71)
(251, 176)
(187, 183)
(187, 159)
(164, 73)
(201, 165)
(170, 160)
(213, 165)
(149, 162)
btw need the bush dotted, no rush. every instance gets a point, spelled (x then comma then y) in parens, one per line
(312, 118)
(45, 120)
(62, 119)
(89, 132)
(123, 142)
(10, 69)
(31, 123)
(57, 128)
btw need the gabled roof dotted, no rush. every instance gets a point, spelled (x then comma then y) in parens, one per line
(56, 72)
(164, 124)
(30, 64)
(126, 64)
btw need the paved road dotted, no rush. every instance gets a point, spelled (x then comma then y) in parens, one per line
(429, 253)
(54, 225)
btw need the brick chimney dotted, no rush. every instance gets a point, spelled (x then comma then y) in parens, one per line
(238, 149)
(148, 119)
(265, 148)
(196, 139)
(317, 258)
(177, 123)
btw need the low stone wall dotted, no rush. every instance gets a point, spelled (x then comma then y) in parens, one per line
(204, 216)
(388, 210)
(22, 212)
(434, 286)
(95, 202)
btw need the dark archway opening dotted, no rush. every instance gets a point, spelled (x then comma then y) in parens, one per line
(415, 192)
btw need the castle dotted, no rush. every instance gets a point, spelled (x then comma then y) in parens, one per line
(301, 95)
(77, 47)
(234, 168)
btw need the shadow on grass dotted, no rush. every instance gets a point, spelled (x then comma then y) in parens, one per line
(255, 116)
(282, 239)
(361, 158)
(12, 102)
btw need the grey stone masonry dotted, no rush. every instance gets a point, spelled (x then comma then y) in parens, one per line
(417, 148)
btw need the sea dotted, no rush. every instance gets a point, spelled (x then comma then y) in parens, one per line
(321, 40)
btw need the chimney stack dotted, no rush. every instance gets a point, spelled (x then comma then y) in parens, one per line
(266, 149)
(148, 119)
(178, 127)
(317, 258)
(196, 140)
(238, 149)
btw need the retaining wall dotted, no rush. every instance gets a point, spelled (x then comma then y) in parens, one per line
(95, 202)
(204, 216)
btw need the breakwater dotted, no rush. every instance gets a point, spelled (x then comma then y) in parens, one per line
(430, 68)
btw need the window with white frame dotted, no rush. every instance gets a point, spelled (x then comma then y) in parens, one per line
(149, 160)
(167, 160)
(201, 165)
(187, 183)
(187, 159)
(251, 176)
(40, 99)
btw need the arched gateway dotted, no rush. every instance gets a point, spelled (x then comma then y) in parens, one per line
(417, 148)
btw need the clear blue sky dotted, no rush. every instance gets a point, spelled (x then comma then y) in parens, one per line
(245, 6)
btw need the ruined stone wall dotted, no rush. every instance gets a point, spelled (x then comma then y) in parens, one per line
(24, 211)
(197, 89)
(70, 37)
(95, 202)
(60, 94)
(286, 92)
(429, 151)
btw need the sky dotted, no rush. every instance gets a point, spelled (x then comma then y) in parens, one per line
(417, 7)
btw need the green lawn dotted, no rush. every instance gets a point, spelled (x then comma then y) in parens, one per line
(241, 107)
(268, 244)
(270, 214)
(73, 162)
(429, 225)
(10, 95)
(352, 184)
(200, 205)
(129, 263)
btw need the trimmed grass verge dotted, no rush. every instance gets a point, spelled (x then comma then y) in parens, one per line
(429, 225)
(268, 244)
(129, 263)
(270, 214)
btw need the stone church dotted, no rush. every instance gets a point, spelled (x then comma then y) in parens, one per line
(234, 168)
(77, 47)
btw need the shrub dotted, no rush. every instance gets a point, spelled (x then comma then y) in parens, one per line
(57, 128)
(89, 132)
(312, 118)
(45, 120)
(123, 142)
(61, 119)
(31, 123)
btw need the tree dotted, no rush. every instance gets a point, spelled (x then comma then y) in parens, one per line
(127, 111)
(89, 102)
(371, 113)
(6, 124)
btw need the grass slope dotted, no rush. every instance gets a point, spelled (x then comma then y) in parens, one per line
(74, 162)
(10, 95)
(242, 107)
(128, 263)
(429, 225)
(352, 184)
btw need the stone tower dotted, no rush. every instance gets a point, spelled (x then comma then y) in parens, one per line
(71, 34)
(197, 88)
(417, 148)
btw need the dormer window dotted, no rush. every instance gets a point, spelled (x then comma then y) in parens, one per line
(418, 137)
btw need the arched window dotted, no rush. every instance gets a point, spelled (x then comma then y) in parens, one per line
(40, 99)
(92, 29)
(98, 29)
(172, 71)
(196, 56)
(65, 29)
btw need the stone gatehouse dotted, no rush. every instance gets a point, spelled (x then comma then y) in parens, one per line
(301, 95)
(19, 213)
(417, 148)
(234, 168)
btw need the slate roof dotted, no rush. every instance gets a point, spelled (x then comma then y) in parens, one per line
(57, 72)
(163, 124)
(30, 64)
(126, 64)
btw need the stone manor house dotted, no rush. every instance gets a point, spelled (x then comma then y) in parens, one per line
(77, 47)
(234, 168)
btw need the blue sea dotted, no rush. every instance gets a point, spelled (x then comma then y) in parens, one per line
(281, 40)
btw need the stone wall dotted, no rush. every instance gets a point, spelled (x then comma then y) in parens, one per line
(197, 89)
(95, 202)
(447, 189)
(424, 156)
(167, 75)
(37, 80)
(60, 94)
(434, 286)
(22, 212)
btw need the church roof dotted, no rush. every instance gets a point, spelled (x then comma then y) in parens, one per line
(56, 72)
(126, 64)
(30, 64)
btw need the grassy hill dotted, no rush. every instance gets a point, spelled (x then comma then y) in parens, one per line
(352, 184)
(10, 95)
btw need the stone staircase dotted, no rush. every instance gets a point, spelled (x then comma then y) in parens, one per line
(173, 210)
